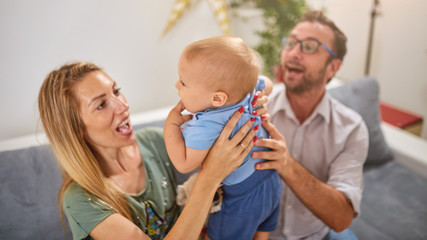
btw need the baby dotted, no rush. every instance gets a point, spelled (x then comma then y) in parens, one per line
(217, 77)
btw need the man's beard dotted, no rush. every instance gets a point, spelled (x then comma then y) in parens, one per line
(309, 80)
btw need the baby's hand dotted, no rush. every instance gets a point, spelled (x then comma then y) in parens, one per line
(175, 117)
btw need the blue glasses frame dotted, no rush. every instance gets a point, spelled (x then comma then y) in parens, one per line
(301, 42)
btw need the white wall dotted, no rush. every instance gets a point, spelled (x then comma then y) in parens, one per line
(124, 38)
(400, 60)
(399, 54)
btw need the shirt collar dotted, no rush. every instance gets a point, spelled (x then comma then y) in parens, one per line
(281, 103)
(322, 109)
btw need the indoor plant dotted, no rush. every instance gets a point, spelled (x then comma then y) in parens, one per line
(280, 16)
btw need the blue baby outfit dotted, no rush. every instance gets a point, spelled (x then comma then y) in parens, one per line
(251, 198)
(205, 127)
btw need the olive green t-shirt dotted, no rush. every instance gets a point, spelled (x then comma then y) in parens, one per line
(154, 208)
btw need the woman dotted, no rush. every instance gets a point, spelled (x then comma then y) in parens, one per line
(118, 184)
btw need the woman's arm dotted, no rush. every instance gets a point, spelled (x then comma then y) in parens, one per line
(261, 98)
(223, 158)
(116, 226)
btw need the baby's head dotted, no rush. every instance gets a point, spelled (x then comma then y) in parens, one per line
(215, 72)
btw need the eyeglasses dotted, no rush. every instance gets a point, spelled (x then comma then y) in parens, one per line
(307, 46)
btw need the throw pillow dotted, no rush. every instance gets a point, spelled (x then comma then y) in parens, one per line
(363, 96)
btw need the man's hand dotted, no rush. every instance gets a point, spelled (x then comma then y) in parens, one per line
(278, 156)
(327, 203)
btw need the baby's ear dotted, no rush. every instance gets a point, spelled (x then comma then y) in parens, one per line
(219, 99)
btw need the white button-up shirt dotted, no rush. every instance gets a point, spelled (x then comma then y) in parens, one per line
(332, 144)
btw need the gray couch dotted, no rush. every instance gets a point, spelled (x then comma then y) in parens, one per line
(394, 204)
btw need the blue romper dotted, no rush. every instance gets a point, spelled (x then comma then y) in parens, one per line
(251, 198)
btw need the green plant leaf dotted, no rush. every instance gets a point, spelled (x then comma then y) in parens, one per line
(280, 16)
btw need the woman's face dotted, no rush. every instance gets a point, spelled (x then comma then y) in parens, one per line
(104, 112)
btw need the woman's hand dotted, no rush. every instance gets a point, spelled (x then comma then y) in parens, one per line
(261, 98)
(227, 154)
(278, 156)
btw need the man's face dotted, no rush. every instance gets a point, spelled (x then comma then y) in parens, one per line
(303, 72)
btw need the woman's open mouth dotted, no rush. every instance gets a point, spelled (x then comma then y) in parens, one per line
(124, 127)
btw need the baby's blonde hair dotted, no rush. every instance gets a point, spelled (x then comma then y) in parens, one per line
(229, 65)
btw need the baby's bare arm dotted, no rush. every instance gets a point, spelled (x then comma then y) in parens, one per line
(175, 144)
(183, 158)
(194, 158)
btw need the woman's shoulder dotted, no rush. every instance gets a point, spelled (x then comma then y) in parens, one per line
(76, 197)
(84, 212)
(74, 192)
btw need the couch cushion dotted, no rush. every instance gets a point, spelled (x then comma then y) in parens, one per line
(393, 204)
(29, 183)
(363, 96)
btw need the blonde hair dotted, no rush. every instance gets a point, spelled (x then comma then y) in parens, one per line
(229, 65)
(59, 106)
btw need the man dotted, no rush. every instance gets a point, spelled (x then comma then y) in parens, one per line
(321, 160)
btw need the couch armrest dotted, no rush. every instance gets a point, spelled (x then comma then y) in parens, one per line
(409, 150)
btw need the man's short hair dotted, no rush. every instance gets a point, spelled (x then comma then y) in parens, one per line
(340, 40)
